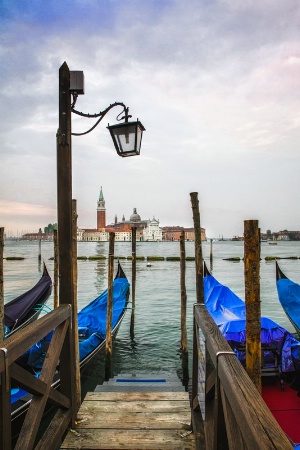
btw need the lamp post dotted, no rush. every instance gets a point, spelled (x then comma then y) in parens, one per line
(127, 138)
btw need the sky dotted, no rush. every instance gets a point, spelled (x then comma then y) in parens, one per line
(216, 84)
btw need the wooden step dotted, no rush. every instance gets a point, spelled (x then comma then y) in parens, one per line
(132, 420)
(140, 382)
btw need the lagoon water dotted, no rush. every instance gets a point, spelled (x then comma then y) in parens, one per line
(156, 346)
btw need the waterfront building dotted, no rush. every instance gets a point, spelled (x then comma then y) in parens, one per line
(146, 230)
(173, 233)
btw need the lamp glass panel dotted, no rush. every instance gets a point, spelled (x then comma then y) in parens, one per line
(139, 134)
(126, 138)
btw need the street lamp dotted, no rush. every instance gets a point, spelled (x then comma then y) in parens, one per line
(127, 138)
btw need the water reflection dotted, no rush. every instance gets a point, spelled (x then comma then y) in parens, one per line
(101, 277)
(156, 344)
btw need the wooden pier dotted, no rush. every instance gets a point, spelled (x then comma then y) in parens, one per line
(134, 413)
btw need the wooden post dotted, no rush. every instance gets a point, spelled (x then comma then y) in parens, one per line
(184, 344)
(1, 284)
(133, 231)
(252, 300)
(198, 248)
(40, 246)
(75, 307)
(55, 280)
(108, 348)
(183, 293)
(64, 221)
(211, 254)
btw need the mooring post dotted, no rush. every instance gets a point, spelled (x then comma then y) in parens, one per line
(1, 284)
(252, 300)
(211, 254)
(183, 293)
(133, 231)
(184, 345)
(40, 246)
(55, 278)
(108, 348)
(198, 248)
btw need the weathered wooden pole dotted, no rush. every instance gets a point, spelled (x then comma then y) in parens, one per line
(184, 344)
(183, 293)
(55, 278)
(198, 248)
(1, 284)
(211, 254)
(64, 221)
(133, 231)
(40, 246)
(74, 311)
(108, 348)
(252, 300)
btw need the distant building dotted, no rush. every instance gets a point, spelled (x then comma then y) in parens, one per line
(284, 235)
(173, 233)
(37, 237)
(146, 230)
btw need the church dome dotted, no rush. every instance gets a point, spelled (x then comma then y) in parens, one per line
(135, 216)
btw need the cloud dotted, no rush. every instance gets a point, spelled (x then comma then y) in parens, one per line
(216, 86)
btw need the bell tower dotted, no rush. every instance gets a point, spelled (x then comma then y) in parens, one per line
(101, 212)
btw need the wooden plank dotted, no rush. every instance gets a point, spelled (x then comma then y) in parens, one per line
(136, 406)
(55, 430)
(121, 419)
(235, 439)
(129, 396)
(36, 408)
(36, 386)
(128, 439)
(133, 420)
(20, 342)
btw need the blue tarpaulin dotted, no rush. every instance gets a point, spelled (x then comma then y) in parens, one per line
(229, 312)
(289, 297)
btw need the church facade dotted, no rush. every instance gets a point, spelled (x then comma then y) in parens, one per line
(146, 230)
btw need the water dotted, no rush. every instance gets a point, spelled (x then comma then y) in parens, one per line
(157, 315)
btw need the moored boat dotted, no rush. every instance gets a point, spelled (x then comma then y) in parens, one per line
(289, 297)
(280, 354)
(27, 307)
(92, 338)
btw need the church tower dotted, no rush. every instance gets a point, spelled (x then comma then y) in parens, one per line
(101, 212)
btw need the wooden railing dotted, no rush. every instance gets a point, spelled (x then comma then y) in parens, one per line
(227, 410)
(62, 400)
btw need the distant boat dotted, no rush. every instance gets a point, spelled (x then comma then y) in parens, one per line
(289, 297)
(272, 243)
(27, 307)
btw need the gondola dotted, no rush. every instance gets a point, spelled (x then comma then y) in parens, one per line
(289, 297)
(229, 312)
(280, 354)
(92, 338)
(27, 307)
